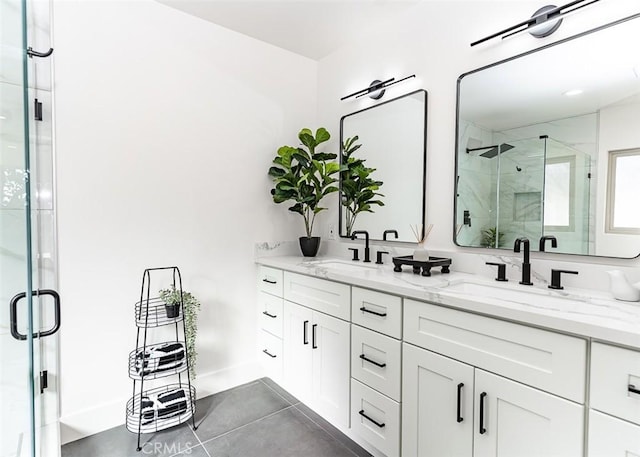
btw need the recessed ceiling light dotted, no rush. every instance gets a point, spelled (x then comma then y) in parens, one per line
(573, 92)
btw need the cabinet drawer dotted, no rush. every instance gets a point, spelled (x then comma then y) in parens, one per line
(549, 361)
(270, 280)
(611, 437)
(322, 295)
(270, 356)
(270, 313)
(377, 311)
(615, 373)
(381, 426)
(369, 350)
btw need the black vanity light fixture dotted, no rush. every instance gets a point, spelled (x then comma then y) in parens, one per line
(376, 89)
(542, 23)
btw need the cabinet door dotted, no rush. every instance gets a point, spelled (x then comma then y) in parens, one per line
(297, 350)
(519, 421)
(432, 425)
(611, 437)
(330, 340)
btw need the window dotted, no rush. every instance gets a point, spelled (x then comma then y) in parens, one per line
(559, 184)
(623, 211)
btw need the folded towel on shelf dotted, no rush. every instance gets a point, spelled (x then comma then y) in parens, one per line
(163, 405)
(159, 357)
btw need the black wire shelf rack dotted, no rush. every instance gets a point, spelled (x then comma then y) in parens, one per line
(159, 408)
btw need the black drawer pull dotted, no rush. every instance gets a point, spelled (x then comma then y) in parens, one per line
(369, 419)
(269, 354)
(305, 339)
(365, 310)
(364, 357)
(482, 430)
(269, 281)
(459, 417)
(313, 336)
(266, 313)
(633, 389)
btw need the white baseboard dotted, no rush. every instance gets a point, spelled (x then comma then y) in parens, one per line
(108, 415)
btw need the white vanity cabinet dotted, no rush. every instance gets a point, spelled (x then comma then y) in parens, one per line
(463, 394)
(614, 418)
(316, 346)
(404, 377)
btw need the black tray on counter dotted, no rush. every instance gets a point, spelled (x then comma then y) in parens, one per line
(424, 265)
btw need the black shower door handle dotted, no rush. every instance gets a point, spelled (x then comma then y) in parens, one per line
(13, 311)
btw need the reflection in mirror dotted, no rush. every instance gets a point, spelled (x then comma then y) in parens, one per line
(392, 136)
(536, 141)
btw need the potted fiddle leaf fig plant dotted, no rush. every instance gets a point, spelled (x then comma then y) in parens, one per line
(305, 176)
(359, 191)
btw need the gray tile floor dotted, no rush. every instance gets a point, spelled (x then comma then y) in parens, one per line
(257, 419)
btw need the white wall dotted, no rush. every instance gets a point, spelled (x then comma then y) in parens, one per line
(166, 126)
(432, 40)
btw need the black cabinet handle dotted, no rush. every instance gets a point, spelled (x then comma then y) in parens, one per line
(13, 314)
(313, 336)
(269, 281)
(269, 354)
(365, 310)
(361, 412)
(633, 389)
(459, 417)
(482, 429)
(364, 357)
(305, 339)
(266, 313)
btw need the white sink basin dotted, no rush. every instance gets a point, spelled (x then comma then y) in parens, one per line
(346, 265)
(513, 293)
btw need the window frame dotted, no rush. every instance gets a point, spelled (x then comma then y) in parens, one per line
(610, 197)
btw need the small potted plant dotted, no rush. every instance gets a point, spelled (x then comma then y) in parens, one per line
(172, 299)
(358, 189)
(492, 238)
(305, 177)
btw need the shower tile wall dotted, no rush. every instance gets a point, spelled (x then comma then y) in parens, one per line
(476, 185)
(575, 136)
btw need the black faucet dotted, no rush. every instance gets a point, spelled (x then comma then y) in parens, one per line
(393, 232)
(544, 239)
(354, 236)
(555, 278)
(526, 266)
(502, 271)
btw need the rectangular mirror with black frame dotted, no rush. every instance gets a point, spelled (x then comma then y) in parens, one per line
(548, 143)
(387, 190)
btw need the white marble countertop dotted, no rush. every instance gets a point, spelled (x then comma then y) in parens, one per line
(575, 311)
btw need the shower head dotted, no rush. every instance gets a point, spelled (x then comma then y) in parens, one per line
(495, 150)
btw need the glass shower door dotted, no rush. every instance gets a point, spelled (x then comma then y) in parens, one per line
(23, 327)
